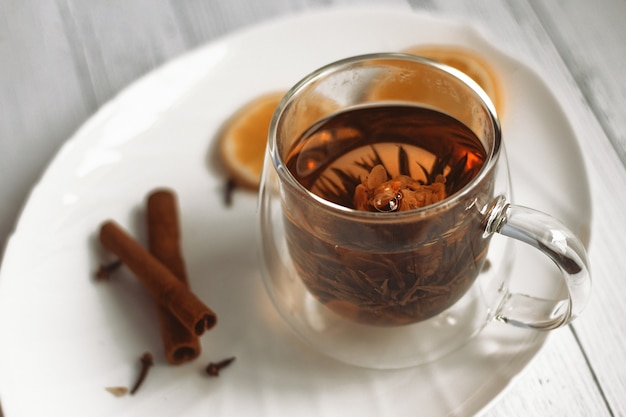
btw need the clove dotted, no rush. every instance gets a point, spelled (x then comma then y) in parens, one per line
(105, 271)
(146, 363)
(214, 368)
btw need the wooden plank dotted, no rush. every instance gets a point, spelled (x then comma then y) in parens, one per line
(207, 20)
(203, 21)
(116, 42)
(41, 100)
(545, 388)
(591, 43)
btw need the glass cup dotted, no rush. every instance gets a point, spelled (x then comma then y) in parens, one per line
(365, 257)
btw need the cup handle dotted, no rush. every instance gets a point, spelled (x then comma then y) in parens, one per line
(557, 242)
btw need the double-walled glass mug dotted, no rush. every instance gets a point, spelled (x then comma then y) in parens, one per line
(384, 186)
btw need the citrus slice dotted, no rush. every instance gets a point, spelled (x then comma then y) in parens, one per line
(468, 62)
(244, 137)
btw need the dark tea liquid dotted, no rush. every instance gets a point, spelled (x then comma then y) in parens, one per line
(333, 156)
(386, 273)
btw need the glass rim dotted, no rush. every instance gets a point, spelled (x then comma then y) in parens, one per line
(285, 174)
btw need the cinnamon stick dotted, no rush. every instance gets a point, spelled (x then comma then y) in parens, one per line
(166, 289)
(180, 344)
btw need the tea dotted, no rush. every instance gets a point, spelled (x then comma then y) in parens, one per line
(388, 272)
(336, 154)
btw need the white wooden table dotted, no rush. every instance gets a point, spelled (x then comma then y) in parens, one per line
(61, 60)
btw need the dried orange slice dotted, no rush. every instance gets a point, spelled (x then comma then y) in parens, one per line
(244, 137)
(468, 62)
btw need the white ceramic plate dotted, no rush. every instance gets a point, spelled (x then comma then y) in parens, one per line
(65, 337)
